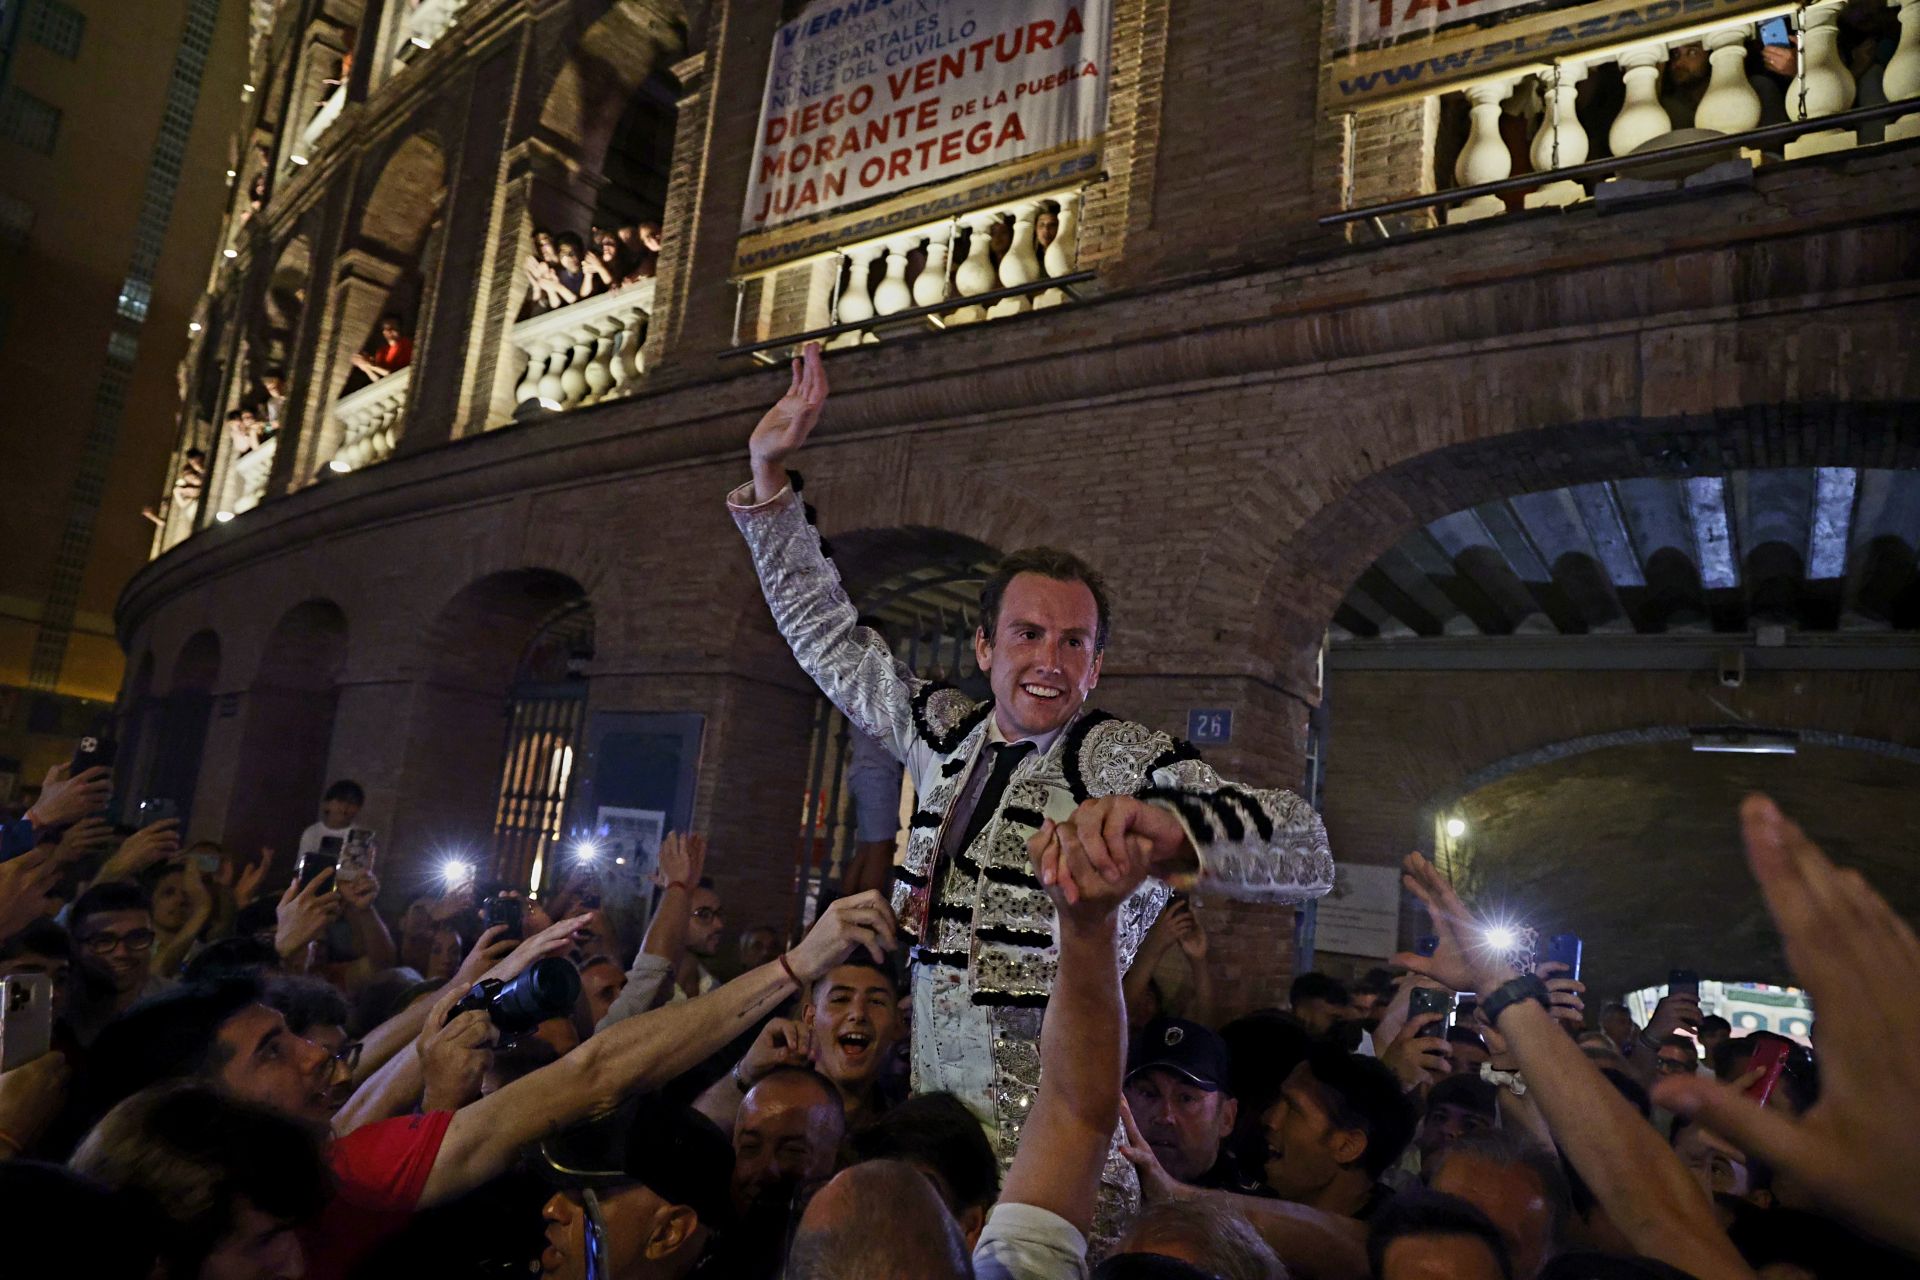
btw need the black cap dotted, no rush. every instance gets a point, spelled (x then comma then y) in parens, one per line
(665, 1146)
(1184, 1048)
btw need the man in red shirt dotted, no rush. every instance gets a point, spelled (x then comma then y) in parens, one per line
(221, 1031)
(394, 353)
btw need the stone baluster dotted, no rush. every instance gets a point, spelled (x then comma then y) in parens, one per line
(1824, 86)
(893, 294)
(856, 302)
(1641, 118)
(1065, 249)
(555, 351)
(1021, 263)
(931, 287)
(574, 384)
(1729, 105)
(624, 364)
(976, 273)
(528, 387)
(1901, 79)
(1484, 158)
(1561, 141)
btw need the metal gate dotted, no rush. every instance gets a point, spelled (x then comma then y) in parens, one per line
(546, 711)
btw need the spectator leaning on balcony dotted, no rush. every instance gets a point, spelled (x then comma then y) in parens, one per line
(391, 354)
(580, 274)
(544, 292)
(243, 427)
(640, 243)
(274, 383)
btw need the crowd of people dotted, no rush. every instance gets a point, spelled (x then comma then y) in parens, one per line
(250, 1076)
(562, 268)
(216, 1065)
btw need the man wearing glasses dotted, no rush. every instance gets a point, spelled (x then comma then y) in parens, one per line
(112, 926)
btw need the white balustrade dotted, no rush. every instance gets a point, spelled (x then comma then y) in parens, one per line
(893, 293)
(323, 120)
(1561, 141)
(247, 479)
(976, 272)
(585, 352)
(1824, 86)
(370, 421)
(955, 265)
(1065, 248)
(1484, 158)
(1901, 79)
(1641, 118)
(1729, 105)
(430, 20)
(932, 287)
(1021, 262)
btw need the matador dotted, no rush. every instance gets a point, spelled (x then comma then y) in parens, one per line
(988, 775)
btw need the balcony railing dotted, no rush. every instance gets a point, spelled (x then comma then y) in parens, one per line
(585, 352)
(247, 482)
(1555, 170)
(322, 121)
(430, 20)
(925, 276)
(370, 421)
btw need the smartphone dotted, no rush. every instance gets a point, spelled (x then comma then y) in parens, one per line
(148, 812)
(92, 750)
(26, 1018)
(1564, 948)
(1425, 1002)
(501, 909)
(1775, 31)
(356, 855)
(1426, 944)
(1683, 982)
(325, 857)
(1771, 1056)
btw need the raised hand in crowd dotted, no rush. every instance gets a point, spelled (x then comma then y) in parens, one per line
(24, 884)
(84, 838)
(1646, 1190)
(455, 1050)
(243, 880)
(783, 1042)
(1097, 846)
(146, 848)
(786, 426)
(1420, 1054)
(31, 1095)
(64, 799)
(556, 939)
(304, 913)
(1856, 1149)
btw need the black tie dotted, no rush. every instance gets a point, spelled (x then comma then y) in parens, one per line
(1006, 758)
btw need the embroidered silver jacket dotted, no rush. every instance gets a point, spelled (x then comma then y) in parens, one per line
(991, 916)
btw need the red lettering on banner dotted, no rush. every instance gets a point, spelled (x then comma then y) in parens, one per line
(1035, 36)
(828, 111)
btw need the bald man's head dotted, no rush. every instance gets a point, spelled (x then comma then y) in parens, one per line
(837, 1239)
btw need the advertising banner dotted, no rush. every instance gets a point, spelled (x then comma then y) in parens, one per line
(865, 98)
(1385, 50)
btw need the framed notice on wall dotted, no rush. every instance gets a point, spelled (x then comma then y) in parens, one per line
(865, 98)
(1361, 916)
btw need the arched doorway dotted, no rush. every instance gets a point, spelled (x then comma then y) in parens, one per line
(1704, 605)
(285, 741)
(495, 713)
(173, 768)
(919, 589)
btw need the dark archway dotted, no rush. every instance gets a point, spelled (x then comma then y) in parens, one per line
(288, 730)
(173, 770)
(446, 794)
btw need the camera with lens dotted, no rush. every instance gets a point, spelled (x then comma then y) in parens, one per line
(547, 990)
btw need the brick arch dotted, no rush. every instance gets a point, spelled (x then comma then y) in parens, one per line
(1415, 479)
(286, 732)
(405, 200)
(594, 64)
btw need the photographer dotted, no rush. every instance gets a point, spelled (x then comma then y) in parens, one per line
(224, 1033)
